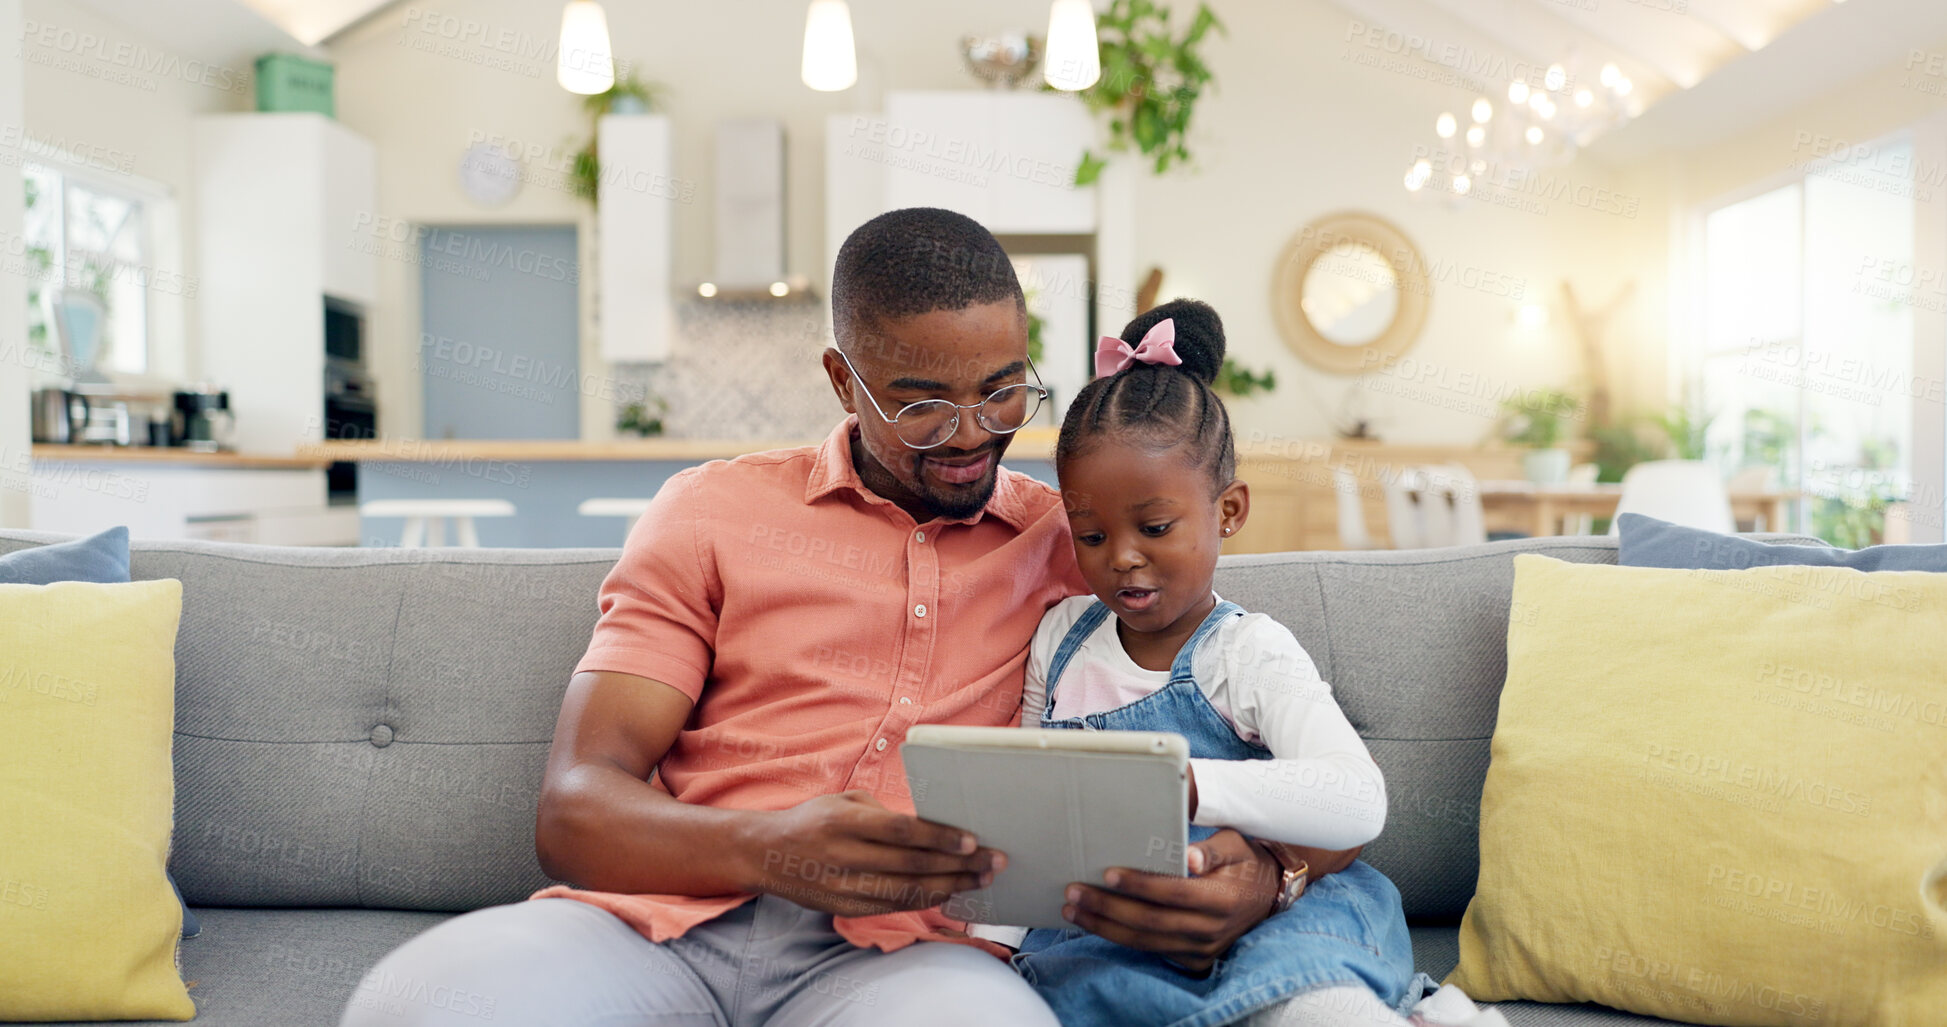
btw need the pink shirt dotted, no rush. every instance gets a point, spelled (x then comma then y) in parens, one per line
(813, 622)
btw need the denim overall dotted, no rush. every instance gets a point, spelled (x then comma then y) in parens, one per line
(1346, 929)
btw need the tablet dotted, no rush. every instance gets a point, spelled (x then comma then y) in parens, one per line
(1065, 805)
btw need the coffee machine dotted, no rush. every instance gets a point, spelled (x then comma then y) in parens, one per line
(203, 419)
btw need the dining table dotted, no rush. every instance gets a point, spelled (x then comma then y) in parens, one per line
(1543, 509)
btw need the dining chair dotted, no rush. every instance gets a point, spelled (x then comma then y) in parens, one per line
(1752, 479)
(1433, 506)
(1352, 511)
(1686, 492)
(1581, 476)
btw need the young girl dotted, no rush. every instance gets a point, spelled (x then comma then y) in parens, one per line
(1147, 467)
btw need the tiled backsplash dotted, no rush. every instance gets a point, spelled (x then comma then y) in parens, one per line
(743, 369)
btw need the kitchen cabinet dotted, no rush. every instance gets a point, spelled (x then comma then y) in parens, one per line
(1005, 159)
(217, 497)
(637, 199)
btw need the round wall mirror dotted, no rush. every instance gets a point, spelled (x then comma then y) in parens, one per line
(1350, 293)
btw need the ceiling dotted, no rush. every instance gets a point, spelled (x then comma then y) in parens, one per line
(1697, 65)
(221, 32)
(315, 21)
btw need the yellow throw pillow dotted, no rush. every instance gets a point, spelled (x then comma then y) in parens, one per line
(1718, 797)
(88, 924)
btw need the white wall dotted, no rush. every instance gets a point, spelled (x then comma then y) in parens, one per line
(15, 375)
(1293, 132)
(123, 102)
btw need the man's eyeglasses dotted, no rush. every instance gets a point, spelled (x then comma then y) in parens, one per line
(930, 422)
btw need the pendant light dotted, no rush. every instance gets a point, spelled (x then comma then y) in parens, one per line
(830, 61)
(585, 64)
(1073, 62)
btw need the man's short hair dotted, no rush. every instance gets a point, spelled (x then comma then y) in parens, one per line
(915, 261)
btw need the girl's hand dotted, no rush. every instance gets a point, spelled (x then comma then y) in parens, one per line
(1191, 921)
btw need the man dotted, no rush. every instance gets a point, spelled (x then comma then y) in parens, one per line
(725, 789)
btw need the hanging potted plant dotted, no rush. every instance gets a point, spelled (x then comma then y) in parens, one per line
(1151, 80)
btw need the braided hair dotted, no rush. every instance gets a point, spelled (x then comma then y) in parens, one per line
(1161, 404)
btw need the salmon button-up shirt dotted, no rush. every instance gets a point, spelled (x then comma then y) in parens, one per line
(812, 621)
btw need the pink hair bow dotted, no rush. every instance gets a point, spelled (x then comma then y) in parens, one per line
(1158, 346)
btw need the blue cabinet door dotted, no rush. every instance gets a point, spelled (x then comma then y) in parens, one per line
(500, 332)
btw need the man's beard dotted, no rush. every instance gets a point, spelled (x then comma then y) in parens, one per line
(964, 501)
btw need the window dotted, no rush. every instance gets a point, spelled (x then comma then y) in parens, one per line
(1806, 365)
(88, 247)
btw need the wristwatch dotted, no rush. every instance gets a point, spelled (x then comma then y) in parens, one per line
(1296, 873)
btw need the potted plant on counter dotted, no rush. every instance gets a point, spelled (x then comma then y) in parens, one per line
(1536, 420)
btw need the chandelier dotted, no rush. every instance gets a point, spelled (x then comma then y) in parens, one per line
(1541, 124)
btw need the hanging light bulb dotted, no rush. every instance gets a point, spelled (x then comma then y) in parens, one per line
(1534, 134)
(1461, 184)
(1482, 111)
(1556, 78)
(1476, 136)
(1479, 167)
(1517, 92)
(1413, 181)
(584, 64)
(1623, 86)
(830, 61)
(1444, 126)
(1610, 73)
(1073, 61)
(1583, 98)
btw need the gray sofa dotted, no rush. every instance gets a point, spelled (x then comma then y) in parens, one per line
(360, 735)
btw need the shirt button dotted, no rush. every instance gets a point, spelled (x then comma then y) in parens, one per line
(920, 535)
(905, 700)
(920, 610)
(880, 745)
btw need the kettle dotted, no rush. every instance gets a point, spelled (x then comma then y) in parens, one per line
(59, 415)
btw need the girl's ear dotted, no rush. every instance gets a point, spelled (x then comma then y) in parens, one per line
(1233, 507)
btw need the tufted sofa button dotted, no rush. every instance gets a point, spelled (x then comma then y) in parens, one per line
(382, 735)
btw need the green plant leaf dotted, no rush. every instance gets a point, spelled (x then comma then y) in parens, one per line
(1148, 128)
(1089, 169)
(1151, 78)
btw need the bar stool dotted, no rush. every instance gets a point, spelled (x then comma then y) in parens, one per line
(612, 506)
(426, 518)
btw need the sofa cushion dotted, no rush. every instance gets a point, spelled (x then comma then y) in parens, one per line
(1670, 825)
(1648, 542)
(101, 558)
(272, 967)
(88, 923)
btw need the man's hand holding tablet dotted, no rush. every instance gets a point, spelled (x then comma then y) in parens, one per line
(848, 855)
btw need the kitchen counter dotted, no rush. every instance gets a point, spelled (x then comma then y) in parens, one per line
(55, 452)
(1028, 446)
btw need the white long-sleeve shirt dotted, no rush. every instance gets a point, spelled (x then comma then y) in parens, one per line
(1320, 788)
